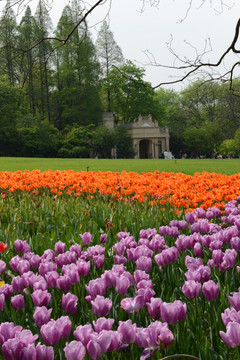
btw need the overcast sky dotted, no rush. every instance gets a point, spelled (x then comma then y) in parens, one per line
(138, 30)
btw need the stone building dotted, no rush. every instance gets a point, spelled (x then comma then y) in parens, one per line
(149, 140)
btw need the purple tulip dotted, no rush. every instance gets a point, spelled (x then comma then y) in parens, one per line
(140, 275)
(12, 349)
(103, 324)
(217, 256)
(71, 271)
(77, 249)
(86, 238)
(210, 290)
(51, 278)
(17, 302)
(69, 303)
(119, 248)
(83, 333)
(109, 278)
(98, 261)
(6, 290)
(83, 267)
(47, 266)
(147, 294)
(230, 315)
(103, 238)
(23, 266)
(44, 352)
(193, 263)
(193, 275)
(234, 301)
(64, 283)
(198, 251)
(29, 352)
(142, 338)
(190, 217)
(34, 261)
(21, 246)
(96, 287)
(232, 335)
(51, 333)
(145, 284)
(8, 331)
(122, 235)
(14, 262)
(101, 306)
(3, 266)
(17, 284)
(122, 284)
(59, 247)
(204, 272)
(191, 289)
(41, 297)
(74, 350)
(235, 243)
(2, 302)
(94, 349)
(127, 331)
(157, 243)
(42, 315)
(132, 305)
(144, 263)
(154, 307)
(116, 340)
(167, 256)
(173, 312)
(64, 325)
(229, 260)
(40, 284)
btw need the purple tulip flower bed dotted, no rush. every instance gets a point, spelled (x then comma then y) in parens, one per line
(168, 292)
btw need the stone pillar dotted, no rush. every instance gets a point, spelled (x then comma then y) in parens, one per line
(153, 149)
(136, 148)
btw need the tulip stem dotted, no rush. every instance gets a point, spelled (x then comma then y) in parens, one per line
(238, 354)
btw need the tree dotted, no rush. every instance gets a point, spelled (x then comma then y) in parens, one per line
(109, 54)
(131, 96)
(77, 95)
(103, 141)
(77, 142)
(42, 28)
(123, 142)
(204, 140)
(25, 39)
(10, 99)
(8, 55)
(186, 67)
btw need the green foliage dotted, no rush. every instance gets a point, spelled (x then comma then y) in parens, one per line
(130, 95)
(103, 140)
(123, 142)
(77, 95)
(10, 98)
(77, 142)
(40, 139)
(229, 147)
(203, 140)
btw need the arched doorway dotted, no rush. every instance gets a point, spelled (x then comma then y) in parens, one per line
(144, 149)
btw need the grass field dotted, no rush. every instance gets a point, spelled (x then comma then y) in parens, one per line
(186, 166)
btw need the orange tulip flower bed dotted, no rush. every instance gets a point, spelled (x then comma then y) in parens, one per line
(179, 190)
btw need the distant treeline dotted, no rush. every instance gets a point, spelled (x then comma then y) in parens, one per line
(52, 97)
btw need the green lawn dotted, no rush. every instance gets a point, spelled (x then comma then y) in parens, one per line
(187, 166)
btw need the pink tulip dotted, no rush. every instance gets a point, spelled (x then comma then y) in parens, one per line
(101, 306)
(132, 305)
